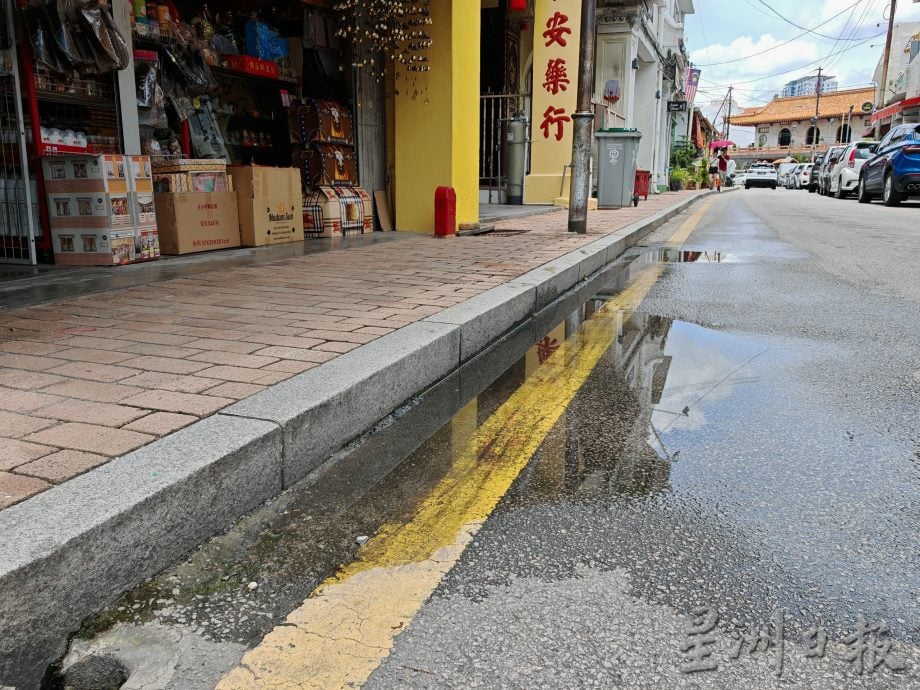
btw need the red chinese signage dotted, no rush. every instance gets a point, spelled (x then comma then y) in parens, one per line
(556, 77)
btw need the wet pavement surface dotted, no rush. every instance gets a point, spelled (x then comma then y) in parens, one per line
(729, 494)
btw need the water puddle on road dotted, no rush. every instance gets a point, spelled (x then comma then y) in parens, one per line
(667, 427)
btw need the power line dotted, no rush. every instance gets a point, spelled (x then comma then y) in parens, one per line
(807, 64)
(780, 45)
(799, 26)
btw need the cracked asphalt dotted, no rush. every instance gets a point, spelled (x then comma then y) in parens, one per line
(731, 485)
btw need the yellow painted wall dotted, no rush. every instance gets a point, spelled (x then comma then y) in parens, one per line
(437, 121)
(549, 155)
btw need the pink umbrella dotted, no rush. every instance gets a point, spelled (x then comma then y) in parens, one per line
(721, 144)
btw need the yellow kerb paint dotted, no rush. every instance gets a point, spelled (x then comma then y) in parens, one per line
(346, 628)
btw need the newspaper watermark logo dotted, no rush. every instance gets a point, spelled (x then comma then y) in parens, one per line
(867, 647)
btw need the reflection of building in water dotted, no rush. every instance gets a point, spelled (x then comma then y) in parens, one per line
(600, 446)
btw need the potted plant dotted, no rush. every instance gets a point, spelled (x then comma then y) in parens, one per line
(702, 176)
(678, 177)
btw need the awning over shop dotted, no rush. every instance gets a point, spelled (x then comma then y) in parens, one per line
(894, 109)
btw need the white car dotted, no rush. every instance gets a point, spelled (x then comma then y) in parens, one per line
(803, 177)
(760, 175)
(844, 178)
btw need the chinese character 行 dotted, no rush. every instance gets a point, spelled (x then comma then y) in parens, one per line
(554, 116)
(556, 29)
(762, 641)
(698, 644)
(868, 651)
(557, 78)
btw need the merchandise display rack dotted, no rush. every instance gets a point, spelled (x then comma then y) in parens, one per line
(42, 90)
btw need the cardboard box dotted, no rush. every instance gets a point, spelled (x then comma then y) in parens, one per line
(336, 211)
(146, 244)
(82, 247)
(272, 220)
(79, 174)
(191, 222)
(140, 174)
(90, 210)
(251, 182)
(143, 209)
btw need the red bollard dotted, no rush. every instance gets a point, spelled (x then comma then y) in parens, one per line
(445, 212)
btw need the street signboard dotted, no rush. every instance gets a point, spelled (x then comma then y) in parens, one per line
(677, 106)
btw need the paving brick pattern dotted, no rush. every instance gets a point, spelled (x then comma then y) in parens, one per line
(88, 379)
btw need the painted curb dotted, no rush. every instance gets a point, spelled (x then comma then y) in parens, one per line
(82, 543)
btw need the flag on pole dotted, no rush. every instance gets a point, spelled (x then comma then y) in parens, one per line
(692, 80)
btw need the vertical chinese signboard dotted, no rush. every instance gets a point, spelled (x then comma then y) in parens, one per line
(557, 29)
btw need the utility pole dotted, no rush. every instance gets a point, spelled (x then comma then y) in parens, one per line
(583, 123)
(728, 118)
(815, 130)
(883, 87)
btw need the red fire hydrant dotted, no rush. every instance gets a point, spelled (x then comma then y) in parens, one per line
(445, 212)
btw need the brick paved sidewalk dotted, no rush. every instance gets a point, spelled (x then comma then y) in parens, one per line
(89, 379)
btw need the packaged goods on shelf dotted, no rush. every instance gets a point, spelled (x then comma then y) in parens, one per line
(335, 211)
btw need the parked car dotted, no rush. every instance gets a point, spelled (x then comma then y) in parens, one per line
(844, 176)
(823, 175)
(739, 178)
(793, 175)
(803, 179)
(894, 171)
(760, 175)
(783, 170)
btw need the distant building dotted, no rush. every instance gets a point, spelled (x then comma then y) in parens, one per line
(787, 122)
(899, 101)
(806, 86)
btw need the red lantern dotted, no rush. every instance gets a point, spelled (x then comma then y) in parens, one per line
(515, 5)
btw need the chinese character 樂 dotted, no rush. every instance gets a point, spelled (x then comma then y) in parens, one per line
(556, 77)
(699, 643)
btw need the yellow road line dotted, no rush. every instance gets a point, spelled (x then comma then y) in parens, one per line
(347, 627)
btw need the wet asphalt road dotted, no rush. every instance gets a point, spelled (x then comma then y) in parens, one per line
(754, 451)
(747, 447)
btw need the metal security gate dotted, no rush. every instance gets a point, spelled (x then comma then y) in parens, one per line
(18, 189)
(495, 110)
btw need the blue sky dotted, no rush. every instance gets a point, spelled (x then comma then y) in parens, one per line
(736, 30)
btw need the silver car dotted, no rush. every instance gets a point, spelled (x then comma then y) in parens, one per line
(844, 177)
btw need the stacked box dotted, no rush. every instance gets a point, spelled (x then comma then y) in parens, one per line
(143, 210)
(327, 152)
(197, 222)
(191, 175)
(91, 206)
(269, 204)
(335, 211)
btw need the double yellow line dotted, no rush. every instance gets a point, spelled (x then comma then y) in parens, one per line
(347, 626)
